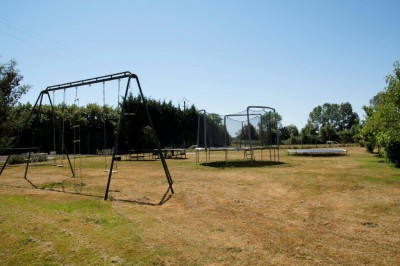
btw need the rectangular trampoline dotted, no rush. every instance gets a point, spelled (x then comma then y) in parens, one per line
(320, 152)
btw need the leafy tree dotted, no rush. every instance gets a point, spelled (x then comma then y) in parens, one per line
(174, 127)
(367, 134)
(330, 120)
(284, 133)
(148, 137)
(243, 133)
(289, 133)
(382, 125)
(216, 118)
(215, 131)
(340, 117)
(308, 133)
(11, 91)
(327, 132)
(347, 118)
(269, 125)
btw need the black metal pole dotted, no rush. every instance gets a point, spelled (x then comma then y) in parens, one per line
(120, 123)
(66, 150)
(54, 123)
(84, 82)
(198, 127)
(166, 170)
(225, 141)
(33, 135)
(19, 136)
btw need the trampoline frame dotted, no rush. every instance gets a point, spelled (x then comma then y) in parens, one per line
(320, 152)
(273, 152)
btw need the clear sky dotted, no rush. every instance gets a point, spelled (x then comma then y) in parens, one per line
(219, 55)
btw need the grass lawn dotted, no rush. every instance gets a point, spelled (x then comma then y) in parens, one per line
(342, 210)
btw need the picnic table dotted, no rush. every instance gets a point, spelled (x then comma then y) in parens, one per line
(173, 152)
(140, 155)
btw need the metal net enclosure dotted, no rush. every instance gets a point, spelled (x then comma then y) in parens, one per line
(211, 132)
(263, 126)
(252, 133)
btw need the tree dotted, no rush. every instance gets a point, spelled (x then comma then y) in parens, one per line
(289, 134)
(11, 91)
(308, 133)
(215, 131)
(243, 133)
(366, 134)
(269, 125)
(382, 125)
(347, 118)
(340, 117)
(329, 120)
(216, 118)
(327, 132)
(284, 133)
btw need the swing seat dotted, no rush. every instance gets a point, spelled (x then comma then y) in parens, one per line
(114, 171)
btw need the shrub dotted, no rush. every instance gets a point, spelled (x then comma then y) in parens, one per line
(390, 141)
(42, 158)
(392, 152)
(16, 159)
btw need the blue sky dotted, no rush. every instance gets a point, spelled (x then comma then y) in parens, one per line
(219, 55)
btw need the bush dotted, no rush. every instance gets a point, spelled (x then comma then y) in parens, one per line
(42, 158)
(390, 141)
(370, 147)
(392, 152)
(16, 159)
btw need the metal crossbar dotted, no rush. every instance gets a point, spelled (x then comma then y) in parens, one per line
(91, 81)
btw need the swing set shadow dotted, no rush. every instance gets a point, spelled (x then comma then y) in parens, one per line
(87, 82)
(146, 201)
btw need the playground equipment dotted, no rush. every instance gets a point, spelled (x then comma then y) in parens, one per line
(252, 132)
(318, 152)
(76, 127)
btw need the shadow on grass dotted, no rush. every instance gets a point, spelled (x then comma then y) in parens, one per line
(155, 160)
(146, 201)
(240, 163)
(61, 187)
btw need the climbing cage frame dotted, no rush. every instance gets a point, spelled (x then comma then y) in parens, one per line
(253, 131)
(86, 83)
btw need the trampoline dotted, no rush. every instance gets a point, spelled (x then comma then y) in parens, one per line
(318, 152)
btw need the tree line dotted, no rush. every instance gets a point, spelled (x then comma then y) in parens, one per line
(94, 127)
(327, 122)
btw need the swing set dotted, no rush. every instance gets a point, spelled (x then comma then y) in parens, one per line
(74, 165)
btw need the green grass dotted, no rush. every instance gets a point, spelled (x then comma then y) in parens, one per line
(72, 232)
(379, 170)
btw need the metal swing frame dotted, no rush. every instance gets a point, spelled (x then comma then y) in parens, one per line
(118, 76)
